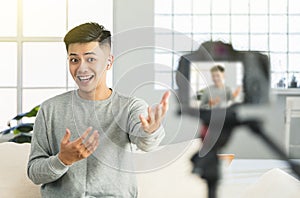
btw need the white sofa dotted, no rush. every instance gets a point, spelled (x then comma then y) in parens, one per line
(14, 182)
(174, 180)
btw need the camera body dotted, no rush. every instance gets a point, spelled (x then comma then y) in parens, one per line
(250, 68)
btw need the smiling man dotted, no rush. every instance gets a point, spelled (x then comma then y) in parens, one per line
(83, 139)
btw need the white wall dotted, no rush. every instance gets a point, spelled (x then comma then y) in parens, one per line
(134, 71)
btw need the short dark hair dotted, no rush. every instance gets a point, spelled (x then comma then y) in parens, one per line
(88, 32)
(217, 68)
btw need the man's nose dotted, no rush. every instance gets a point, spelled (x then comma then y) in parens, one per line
(82, 67)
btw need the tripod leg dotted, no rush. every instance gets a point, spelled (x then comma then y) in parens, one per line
(212, 189)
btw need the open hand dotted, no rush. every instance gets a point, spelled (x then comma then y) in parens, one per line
(236, 92)
(213, 102)
(155, 116)
(80, 148)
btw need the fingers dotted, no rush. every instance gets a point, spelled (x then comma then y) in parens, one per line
(91, 144)
(144, 122)
(151, 115)
(66, 137)
(165, 97)
(158, 113)
(165, 102)
(94, 137)
(91, 147)
(83, 136)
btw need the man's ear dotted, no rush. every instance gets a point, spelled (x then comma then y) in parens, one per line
(110, 61)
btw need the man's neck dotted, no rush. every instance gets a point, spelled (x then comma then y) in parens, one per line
(220, 86)
(100, 93)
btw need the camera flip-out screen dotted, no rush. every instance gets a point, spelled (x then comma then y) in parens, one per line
(216, 84)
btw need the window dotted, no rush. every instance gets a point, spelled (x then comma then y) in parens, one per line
(33, 56)
(270, 26)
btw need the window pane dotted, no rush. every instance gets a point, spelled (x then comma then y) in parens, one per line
(182, 24)
(199, 39)
(8, 17)
(294, 62)
(294, 6)
(163, 6)
(33, 97)
(239, 6)
(175, 86)
(109, 78)
(201, 24)
(220, 6)
(164, 41)
(183, 42)
(278, 43)
(239, 24)
(163, 62)
(258, 6)
(259, 24)
(240, 42)
(221, 37)
(294, 43)
(71, 82)
(8, 106)
(44, 18)
(259, 42)
(100, 11)
(163, 80)
(278, 24)
(278, 6)
(278, 62)
(176, 58)
(201, 7)
(8, 56)
(220, 24)
(163, 22)
(294, 22)
(44, 64)
(182, 7)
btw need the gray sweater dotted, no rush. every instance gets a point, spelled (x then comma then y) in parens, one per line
(108, 172)
(213, 92)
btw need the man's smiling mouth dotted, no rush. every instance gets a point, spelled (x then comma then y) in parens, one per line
(84, 78)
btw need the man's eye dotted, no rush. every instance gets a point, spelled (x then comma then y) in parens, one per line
(73, 60)
(91, 59)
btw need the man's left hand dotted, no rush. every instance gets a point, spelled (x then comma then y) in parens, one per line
(155, 115)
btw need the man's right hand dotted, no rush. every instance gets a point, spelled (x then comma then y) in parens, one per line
(214, 102)
(80, 148)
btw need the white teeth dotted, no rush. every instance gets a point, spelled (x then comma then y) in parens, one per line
(81, 78)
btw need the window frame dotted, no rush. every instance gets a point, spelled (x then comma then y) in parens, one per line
(249, 33)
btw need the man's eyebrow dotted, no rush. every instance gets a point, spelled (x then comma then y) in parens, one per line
(87, 53)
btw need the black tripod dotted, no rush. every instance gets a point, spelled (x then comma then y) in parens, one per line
(207, 167)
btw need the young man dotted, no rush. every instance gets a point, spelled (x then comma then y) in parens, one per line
(81, 145)
(218, 94)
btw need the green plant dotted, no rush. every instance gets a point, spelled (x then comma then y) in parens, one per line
(21, 130)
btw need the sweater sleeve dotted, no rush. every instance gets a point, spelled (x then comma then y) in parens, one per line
(137, 135)
(43, 167)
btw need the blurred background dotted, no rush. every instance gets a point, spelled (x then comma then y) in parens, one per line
(34, 63)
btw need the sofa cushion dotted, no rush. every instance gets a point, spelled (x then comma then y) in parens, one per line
(13, 175)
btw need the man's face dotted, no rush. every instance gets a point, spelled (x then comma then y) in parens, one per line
(217, 77)
(88, 64)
